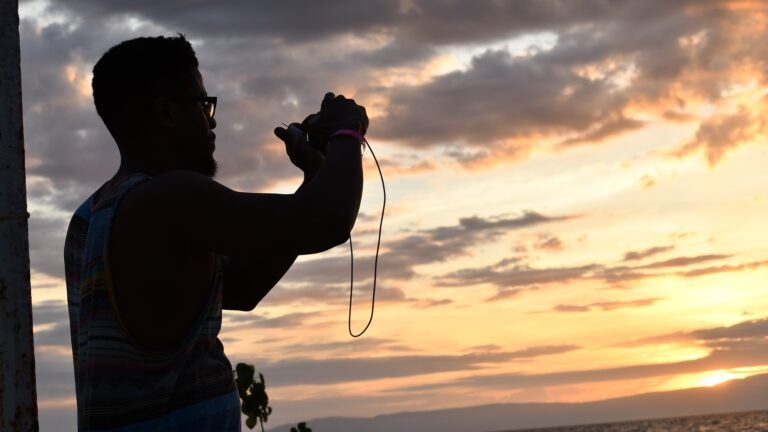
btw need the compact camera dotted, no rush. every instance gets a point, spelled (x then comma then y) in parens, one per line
(316, 140)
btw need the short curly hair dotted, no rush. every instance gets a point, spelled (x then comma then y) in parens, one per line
(130, 74)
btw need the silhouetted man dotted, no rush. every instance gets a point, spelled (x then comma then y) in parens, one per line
(156, 252)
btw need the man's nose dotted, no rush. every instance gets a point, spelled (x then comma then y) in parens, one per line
(212, 123)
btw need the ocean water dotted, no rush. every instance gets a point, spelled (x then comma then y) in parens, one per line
(755, 421)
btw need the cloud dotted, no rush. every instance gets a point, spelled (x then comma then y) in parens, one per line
(684, 261)
(438, 244)
(58, 335)
(259, 65)
(441, 243)
(54, 371)
(46, 243)
(319, 293)
(323, 279)
(606, 306)
(487, 347)
(337, 370)
(510, 275)
(744, 355)
(484, 104)
(744, 330)
(257, 57)
(294, 319)
(406, 166)
(430, 303)
(70, 151)
(423, 22)
(645, 253)
(507, 293)
(724, 268)
(753, 329)
(63, 134)
(50, 312)
(740, 345)
(571, 308)
(620, 276)
(516, 276)
(290, 20)
(626, 274)
(54, 315)
(723, 132)
(550, 243)
(647, 182)
(605, 130)
(349, 347)
(583, 88)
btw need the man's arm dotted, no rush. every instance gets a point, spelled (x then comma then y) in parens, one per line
(192, 209)
(188, 210)
(248, 279)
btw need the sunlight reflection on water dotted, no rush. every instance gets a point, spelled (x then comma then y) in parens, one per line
(755, 421)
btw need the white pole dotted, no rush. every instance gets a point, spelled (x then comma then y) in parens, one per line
(18, 398)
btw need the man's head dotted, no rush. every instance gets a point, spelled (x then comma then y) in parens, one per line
(151, 97)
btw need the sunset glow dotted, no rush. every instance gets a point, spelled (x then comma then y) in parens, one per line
(716, 378)
(577, 205)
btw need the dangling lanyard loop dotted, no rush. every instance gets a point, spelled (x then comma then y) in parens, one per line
(378, 244)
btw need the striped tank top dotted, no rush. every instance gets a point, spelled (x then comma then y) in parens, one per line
(119, 385)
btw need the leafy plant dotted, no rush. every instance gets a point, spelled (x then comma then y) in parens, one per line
(302, 428)
(253, 394)
(255, 400)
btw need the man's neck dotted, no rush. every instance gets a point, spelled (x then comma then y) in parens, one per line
(132, 166)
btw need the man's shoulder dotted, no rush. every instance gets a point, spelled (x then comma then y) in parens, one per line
(182, 176)
(173, 200)
(77, 230)
(178, 183)
(83, 211)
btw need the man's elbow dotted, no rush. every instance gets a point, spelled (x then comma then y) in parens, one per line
(327, 236)
(241, 307)
(330, 226)
(341, 235)
(336, 232)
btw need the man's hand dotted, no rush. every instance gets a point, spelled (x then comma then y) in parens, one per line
(302, 155)
(336, 112)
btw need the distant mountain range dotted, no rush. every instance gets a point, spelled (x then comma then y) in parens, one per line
(748, 394)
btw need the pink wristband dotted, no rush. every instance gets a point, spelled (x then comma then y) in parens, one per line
(351, 132)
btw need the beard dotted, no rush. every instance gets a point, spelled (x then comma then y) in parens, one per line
(203, 164)
(209, 167)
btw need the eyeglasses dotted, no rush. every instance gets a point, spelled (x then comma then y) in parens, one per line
(208, 103)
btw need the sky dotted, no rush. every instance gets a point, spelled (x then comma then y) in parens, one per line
(576, 192)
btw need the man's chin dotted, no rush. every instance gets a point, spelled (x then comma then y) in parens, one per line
(209, 168)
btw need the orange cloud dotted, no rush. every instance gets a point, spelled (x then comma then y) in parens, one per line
(723, 132)
(607, 306)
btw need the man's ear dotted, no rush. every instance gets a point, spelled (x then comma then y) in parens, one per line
(164, 112)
